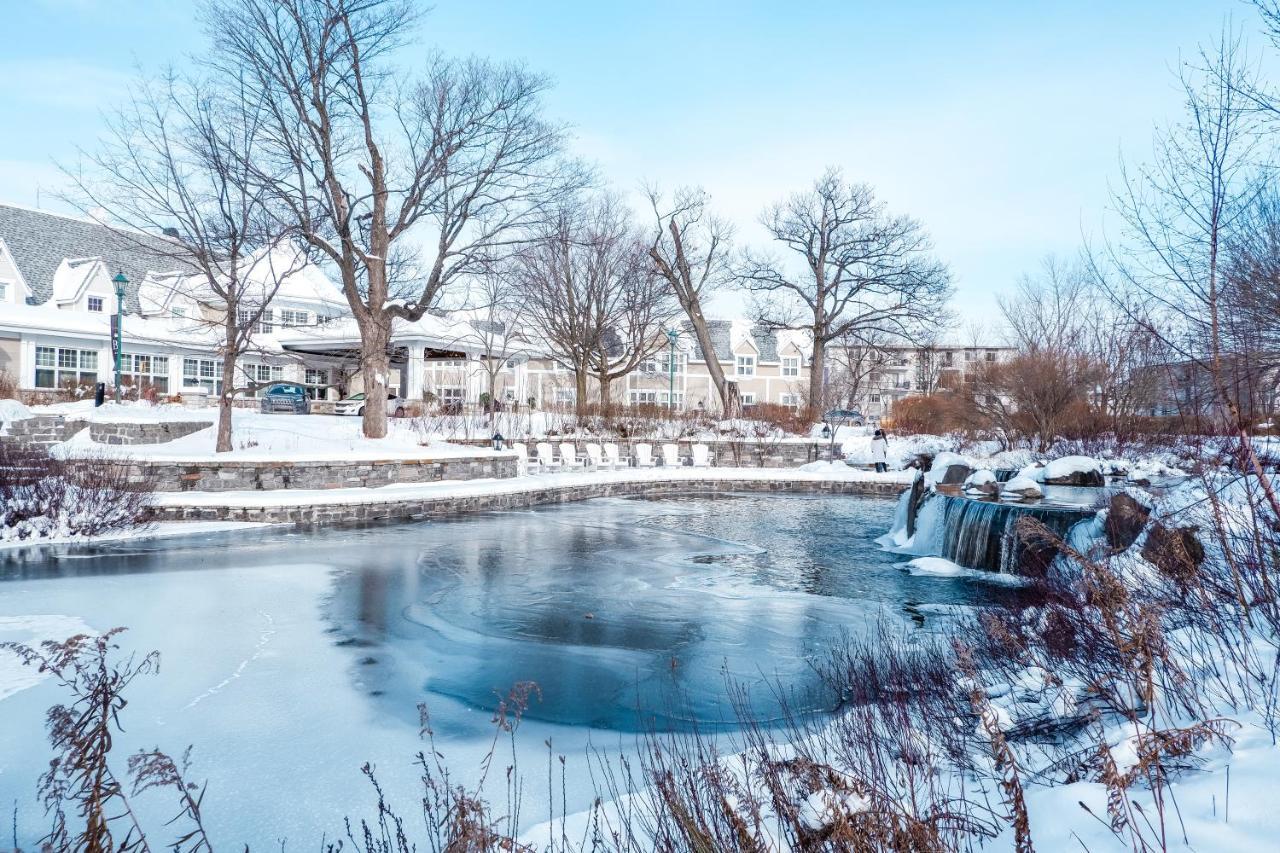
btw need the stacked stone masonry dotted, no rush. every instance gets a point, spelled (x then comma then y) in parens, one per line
(144, 433)
(43, 430)
(268, 476)
(415, 509)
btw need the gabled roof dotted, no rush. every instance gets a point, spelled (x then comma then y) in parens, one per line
(726, 334)
(40, 241)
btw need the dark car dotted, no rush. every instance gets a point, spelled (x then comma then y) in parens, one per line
(285, 397)
(844, 416)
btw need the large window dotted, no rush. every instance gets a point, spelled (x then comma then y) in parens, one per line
(675, 399)
(565, 396)
(317, 382)
(792, 400)
(261, 374)
(144, 371)
(289, 317)
(640, 398)
(791, 366)
(748, 400)
(95, 304)
(664, 364)
(63, 367)
(202, 373)
(746, 365)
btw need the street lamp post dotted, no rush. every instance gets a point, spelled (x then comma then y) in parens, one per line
(672, 334)
(119, 281)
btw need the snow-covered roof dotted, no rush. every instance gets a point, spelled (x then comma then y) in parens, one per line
(175, 331)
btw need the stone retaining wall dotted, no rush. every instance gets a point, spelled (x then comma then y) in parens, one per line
(144, 433)
(218, 476)
(416, 509)
(43, 430)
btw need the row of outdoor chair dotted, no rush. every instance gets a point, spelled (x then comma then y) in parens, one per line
(604, 457)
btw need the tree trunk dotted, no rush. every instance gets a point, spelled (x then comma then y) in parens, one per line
(606, 401)
(699, 323)
(580, 388)
(224, 400)
(817, 365)
(375, 367)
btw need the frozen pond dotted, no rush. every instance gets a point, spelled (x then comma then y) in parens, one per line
(290, 659)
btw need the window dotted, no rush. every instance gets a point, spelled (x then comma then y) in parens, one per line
(676, 399)
(990, 356)
(748, 399)
(948, 358)
(640, 398)
(201, 373)
(970, 355)
(746, 365)
(290, 317)
(317, 381)
(4, 291)
(65, 368)
(144, 371)
(95, 304)
(791, 400)
(875, 398)
(258, 374)
(264, 324)
(452, 394)
(565, 396)
(649, 365)
(682, 361)
(791, 366)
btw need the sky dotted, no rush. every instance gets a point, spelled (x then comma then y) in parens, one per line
(999, 125)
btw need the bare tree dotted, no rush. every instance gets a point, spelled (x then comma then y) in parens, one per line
(403, 185)
(496, 327)
(861, 271)
(1183, 210)
(175, 161)
(690, 251)
(593, 296)
(857, 363)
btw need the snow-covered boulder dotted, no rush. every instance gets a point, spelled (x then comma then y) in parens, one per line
(1022, 487)
(948, 469)
(1074, 471)
(982, 482)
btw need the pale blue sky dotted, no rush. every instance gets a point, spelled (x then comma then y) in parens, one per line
(997, 124)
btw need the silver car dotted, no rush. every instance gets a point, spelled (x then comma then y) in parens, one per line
(354, 405)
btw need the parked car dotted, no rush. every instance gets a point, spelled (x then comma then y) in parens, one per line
(849, 417)
(285, 397)
(354, 405)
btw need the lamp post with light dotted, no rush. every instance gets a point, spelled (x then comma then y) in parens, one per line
(119, 281)
(672, 334)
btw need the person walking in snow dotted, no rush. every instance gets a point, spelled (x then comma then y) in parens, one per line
(880, 451)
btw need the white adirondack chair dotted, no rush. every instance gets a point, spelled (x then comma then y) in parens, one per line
(569, 456)
(611, 456)
(595, 457)
(523, 463)
(644, 455)
(671, 455)
(545, 459)
(701, 456)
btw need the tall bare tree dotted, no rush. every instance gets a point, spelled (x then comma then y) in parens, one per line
(860, 271)
(175, 160)
(1182, 211)
(593, 296)
(690, 251)
(404, 184)
(496, 323)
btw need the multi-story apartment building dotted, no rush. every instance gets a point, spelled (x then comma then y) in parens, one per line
(57, 299)
(872, 379)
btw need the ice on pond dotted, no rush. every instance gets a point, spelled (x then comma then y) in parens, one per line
(290, 659)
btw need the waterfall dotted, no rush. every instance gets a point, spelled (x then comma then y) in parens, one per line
(981, 534)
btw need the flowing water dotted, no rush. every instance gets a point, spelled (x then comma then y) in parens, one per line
(290, 658)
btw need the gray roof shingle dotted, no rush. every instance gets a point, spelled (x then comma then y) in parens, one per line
(40, 241)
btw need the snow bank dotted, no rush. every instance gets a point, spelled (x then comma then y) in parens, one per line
(12, 410)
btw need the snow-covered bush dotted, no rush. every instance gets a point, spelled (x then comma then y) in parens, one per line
(45, 497)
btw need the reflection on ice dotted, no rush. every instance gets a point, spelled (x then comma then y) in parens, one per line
(290, 659)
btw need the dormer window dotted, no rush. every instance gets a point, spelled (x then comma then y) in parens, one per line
(746, 365)
(790, 366)
(95, 304)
